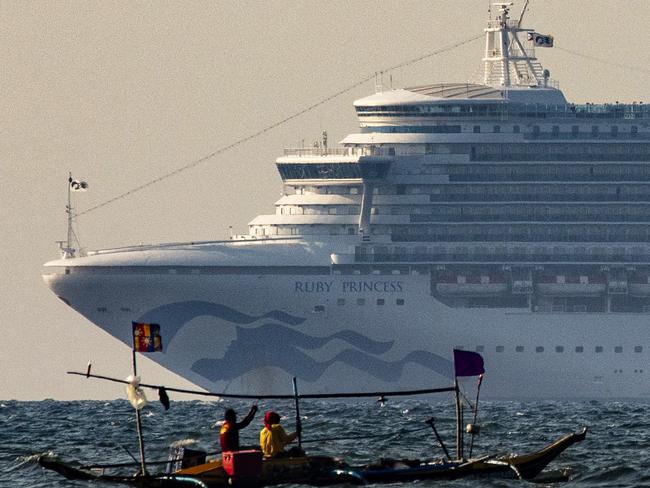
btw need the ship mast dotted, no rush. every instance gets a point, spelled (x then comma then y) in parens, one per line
(66, 247)
(507, 62)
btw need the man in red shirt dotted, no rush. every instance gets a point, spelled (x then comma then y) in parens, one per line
(229, 435)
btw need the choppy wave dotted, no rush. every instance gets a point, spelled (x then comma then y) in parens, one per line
(615, 454)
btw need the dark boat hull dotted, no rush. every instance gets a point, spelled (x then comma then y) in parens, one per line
(323, 470)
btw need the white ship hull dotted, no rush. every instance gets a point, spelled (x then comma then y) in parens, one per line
(252, 333)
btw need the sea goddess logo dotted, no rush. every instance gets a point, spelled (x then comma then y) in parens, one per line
(353, 286)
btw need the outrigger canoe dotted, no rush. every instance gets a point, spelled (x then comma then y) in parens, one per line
(324, 470)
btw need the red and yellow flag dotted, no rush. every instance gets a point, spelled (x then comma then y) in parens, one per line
(146, 337)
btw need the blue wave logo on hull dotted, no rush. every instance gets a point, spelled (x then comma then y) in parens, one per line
(174, 316)
(281, 346)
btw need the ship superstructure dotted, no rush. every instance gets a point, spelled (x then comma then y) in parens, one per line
(493, 216)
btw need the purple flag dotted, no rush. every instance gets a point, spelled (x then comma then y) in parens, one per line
(467, 363)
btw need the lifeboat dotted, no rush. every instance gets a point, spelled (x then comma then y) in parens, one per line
(571, 285)
(488, 284)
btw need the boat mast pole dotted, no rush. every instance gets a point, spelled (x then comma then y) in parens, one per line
(138, 420)
(298, 426)
(459, 421)
(474, 431)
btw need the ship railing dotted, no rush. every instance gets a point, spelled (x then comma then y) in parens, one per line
(497, 23)
(500, 258)
(325, 151)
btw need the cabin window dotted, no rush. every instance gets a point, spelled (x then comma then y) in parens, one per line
(634, 130)
(559, 349)
(361, 301)
(477, 129)
(575, 130)
(399, 301)
(319, 308)
(539, 349)
(555, 131)
(497, 129)
(480, 348)
(380, 301)
(618, 349)
(500, 348)
(580, 349)
(599, 348)
(515, 129)
(340, 301)
(519, 349)
(638, 349)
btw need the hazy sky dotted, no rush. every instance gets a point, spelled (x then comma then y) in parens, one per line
(120, 93)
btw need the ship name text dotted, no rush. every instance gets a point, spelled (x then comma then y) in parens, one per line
(356, 286)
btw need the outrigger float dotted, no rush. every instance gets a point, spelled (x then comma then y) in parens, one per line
(250, 469)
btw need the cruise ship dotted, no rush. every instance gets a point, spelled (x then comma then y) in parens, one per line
(492, 216)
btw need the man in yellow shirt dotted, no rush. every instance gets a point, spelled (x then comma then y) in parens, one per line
(273, 438)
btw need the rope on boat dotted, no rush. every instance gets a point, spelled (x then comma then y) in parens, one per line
(380, 394)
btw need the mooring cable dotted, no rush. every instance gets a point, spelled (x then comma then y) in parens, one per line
(274, 125)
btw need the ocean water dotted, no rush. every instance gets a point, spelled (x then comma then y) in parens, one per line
(616, 452)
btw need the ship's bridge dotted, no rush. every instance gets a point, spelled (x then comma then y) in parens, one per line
(340, 166)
